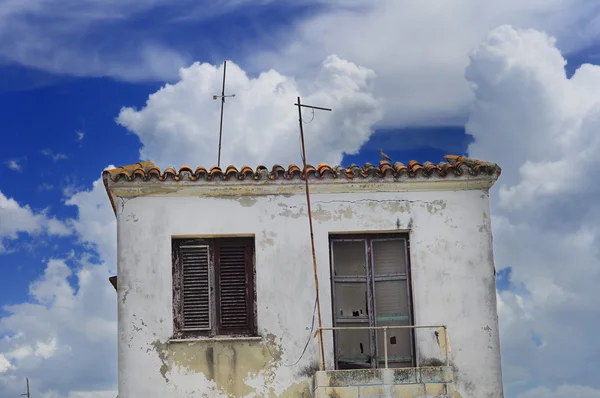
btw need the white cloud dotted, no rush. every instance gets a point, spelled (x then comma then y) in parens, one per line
(45, 187)
(14, 165)
(180, 122)
(95, 224)
(80, 135)
(82, 394)
(396, 39)
(15, 219)
(63, 36)
(420, 50)
(566, 391)
(4, 364)
(64, 337)
(58, 41)
(541, 127)
(54, 156)
(41, 349)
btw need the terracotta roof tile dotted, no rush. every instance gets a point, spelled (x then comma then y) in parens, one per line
(455, 164)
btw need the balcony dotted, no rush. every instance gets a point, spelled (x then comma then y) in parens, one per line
(432, 381)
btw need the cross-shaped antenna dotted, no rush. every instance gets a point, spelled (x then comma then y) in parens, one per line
(312, 240)
(222, 96)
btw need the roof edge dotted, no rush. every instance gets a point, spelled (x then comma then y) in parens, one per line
(457, 169)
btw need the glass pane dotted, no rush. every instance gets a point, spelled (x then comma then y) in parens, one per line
(349, 258)
(389, 257)
(353, 347)
(399, 347)
(391, 301)
(351, 300)
(391, 304)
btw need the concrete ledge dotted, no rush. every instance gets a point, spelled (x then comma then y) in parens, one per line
(370, 377)
(427, 390)
(431, 382)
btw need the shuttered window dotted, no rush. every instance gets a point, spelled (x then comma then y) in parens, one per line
(371, 287)
(195, 287)
(213, 287)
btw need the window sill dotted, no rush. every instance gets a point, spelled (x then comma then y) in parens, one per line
(216, 339)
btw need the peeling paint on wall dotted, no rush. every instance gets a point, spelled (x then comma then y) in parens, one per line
(292, 212)
(268, 239)
(231, 365)
(161, 350)
(452, 265)
(436, 206)
(247, 201)
(321, 215)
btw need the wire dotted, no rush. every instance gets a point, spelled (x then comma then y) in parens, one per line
(307, 341)
(313, 117)
(300, 139)
(300, 145)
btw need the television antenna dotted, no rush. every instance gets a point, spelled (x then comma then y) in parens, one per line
(312, 240)
(222, 96)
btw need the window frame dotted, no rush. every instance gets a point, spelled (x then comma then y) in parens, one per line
(370, 278)
(215, 329)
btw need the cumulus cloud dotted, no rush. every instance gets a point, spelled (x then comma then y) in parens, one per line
(396, 39)
(4, 364)
(64, 337)
(15, 219)
(180, 122)
(420, 51)
(541, 127)
(95, 224)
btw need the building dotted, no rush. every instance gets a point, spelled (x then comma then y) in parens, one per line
(216, 290)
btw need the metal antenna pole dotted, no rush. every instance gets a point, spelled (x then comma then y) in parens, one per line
(310, 223)
(222, 96)
(27, 389)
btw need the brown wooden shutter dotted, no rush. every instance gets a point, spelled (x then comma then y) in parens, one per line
(195, 287)
(235, 288)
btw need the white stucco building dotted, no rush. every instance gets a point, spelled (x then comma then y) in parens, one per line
(216, 293)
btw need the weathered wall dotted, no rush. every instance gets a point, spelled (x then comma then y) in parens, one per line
(452, 280)
(430, 382)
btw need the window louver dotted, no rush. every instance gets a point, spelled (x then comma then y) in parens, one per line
(213, 287)
(234, 272)
(195, 287)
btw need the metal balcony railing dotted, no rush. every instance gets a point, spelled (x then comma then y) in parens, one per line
(385, 339)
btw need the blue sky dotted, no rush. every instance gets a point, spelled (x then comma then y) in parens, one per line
(82, 88)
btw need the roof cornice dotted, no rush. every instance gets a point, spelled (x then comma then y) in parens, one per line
(144, 178)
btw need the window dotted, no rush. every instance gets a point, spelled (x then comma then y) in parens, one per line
(371, 287)
(213, 287)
